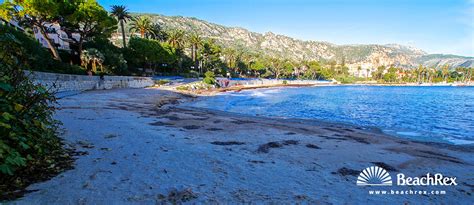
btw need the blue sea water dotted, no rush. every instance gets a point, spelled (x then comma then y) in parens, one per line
(438, 114)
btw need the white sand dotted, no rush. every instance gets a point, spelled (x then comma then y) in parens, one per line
(131, 161)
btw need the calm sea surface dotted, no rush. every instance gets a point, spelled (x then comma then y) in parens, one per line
(439, 114)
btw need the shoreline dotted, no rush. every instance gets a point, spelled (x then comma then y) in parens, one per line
(147, 146)
(409, 84)
(240, 88)
(186, 98)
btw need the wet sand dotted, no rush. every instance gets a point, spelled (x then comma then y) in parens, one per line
(236, 88)
(147, 146)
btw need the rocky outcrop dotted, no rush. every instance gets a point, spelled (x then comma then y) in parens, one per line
(274, 45)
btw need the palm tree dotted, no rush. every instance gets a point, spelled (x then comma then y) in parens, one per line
(276, 67)
(231, 56)
(419, 72)
(94, 57)
(468, 75)
(122, 15)
(143, 25)
(158, 33)
(196, 42)
(445, 72)
(176, 39)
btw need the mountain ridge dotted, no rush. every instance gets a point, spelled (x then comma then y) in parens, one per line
(281, 46)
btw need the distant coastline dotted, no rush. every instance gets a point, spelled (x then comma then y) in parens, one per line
(297, 83)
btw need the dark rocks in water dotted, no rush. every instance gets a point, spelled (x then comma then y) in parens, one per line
(239, 122)
(227, 143)
(357, 139)
(257, 161)
(172, 118)
(158, 123)
(177, 197)
(337, 130)
(312, 146)
(214, 129)
(290, 133)
(290, 142)
(266, 147)
(346, 172)
(386, 166)
(332, 138)
(191, 127)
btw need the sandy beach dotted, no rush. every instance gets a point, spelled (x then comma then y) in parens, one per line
(146, 146)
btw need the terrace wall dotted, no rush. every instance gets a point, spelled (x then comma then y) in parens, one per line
(66, 83)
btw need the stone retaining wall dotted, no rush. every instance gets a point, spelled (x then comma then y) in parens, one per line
(76, 83)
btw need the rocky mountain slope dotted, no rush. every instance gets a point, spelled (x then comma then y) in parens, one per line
(274, 45)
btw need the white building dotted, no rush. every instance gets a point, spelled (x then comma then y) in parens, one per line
(57, 36)
(54, 32)
(366, 69)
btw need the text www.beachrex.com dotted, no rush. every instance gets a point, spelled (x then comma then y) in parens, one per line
(407, 192)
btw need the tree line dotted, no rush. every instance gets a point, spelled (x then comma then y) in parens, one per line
(150, 47)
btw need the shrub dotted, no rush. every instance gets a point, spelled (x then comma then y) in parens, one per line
(39, 57)
(285, 82)
(192, 74)
(162, 81)
(114, 61)
(182, 87)
(147, 53)
(209, 78)
(345, 79)
(29, 146)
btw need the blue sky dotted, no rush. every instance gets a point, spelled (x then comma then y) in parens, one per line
(436, 26)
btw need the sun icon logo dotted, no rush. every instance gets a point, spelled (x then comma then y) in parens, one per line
(374, 176)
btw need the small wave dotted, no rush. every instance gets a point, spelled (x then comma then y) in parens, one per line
(263, 93)
(409, 134)
(458, 141)
(258, 94)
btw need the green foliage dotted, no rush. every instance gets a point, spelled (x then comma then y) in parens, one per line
(92, 57)
(162, 82)
(114, 61)
(38, 56)
(28, 129)
(378, 74)
(182, 87)
(121, 13)
(148, 53)
(210, 54)
(142, 25)
(36, 13)
(345, 79)
(191, 74)
(88, 19)
(210, 78)
(391, 75)
(176, 39)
